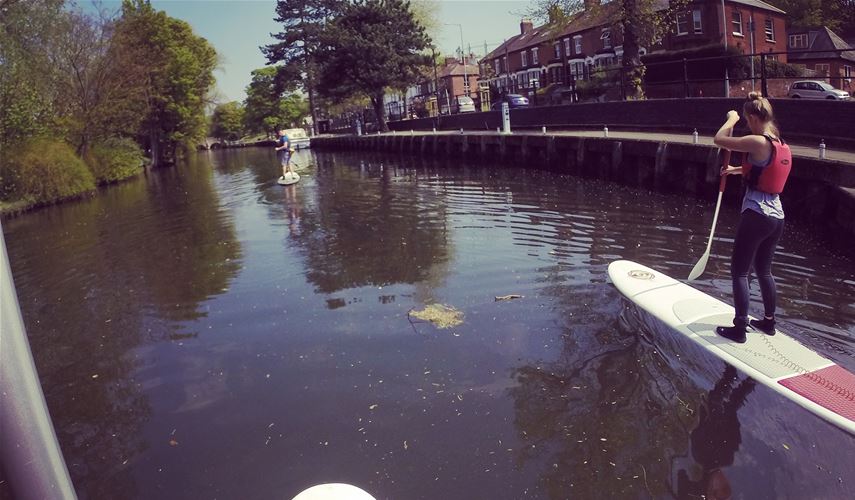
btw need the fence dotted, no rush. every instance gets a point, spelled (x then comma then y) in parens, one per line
(729, 75)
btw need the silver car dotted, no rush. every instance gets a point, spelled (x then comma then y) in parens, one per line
(810, 89)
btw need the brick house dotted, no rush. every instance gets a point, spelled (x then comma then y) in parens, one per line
(538, 56)
(835, 67)
(448, 81)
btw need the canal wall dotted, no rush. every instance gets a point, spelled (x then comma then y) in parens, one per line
(807, 121)
(821, 192)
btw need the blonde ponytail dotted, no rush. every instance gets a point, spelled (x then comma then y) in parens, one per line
(760, 107)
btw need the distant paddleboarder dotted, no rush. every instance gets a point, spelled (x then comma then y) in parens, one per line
(283, 147)
(765, 169)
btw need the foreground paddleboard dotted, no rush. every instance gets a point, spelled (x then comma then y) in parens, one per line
(778, 362)
(289, 178)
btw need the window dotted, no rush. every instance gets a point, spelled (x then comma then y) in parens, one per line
(557, 48)
(505, 63)
(823, 69)
(770, 30)
(524, 56)
(696, 21)
(534, 56)
(606, 37)
(578, 42)
(567, 47)
(737, 23)
(847, 71)
(682, 24)
(497, 67)
(798, 41)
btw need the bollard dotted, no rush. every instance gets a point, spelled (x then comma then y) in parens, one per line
(544, 130)
(605, 131)
(461, 130)
(822, 149)
(412, 132)
(695, 137)
(434, 130)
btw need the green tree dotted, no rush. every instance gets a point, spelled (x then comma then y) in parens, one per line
(228, 121)
(271, 103)
(100, 99)
(837, 15)
(27, 85)
(373, 45)
(642, 23)
(297, 45)
(175, 68)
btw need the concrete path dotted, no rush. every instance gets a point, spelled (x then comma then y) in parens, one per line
(799, 150)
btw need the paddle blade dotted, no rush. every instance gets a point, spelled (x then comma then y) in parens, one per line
(699, 267)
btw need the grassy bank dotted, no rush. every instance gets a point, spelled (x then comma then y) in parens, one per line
(42, 171)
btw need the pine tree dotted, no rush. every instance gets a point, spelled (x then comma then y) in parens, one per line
(373, 45)
(303, 23)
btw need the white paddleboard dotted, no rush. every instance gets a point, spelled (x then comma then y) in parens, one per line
(776, 361)
(289, 178)
(334, 491)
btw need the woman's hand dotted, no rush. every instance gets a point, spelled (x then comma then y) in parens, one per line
(729, 170)
(732, 116)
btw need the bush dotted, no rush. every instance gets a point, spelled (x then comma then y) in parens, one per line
(44, 171)
(114, 159)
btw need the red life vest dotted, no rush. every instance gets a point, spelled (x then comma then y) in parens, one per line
(771, 178)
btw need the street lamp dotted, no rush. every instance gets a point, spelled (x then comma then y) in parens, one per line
(463, 55)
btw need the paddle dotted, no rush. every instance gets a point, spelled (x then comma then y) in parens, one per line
(702, 264)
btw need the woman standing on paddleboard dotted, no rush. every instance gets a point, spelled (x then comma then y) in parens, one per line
(765, 169)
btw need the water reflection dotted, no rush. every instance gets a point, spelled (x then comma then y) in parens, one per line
(716, 439)
(205, 332)
(101, 277)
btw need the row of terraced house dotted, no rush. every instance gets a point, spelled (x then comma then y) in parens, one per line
(540, 56)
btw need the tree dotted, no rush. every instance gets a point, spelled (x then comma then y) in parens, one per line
(303, 23)
(642, 23)
(227, 123)
(175, 68)
(27, 85)
(99, 98)
(837, 15)
(373, 45)
(271, 103)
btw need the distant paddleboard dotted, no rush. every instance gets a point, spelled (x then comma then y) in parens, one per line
(289, 178)
(778, 362)
(334, 491)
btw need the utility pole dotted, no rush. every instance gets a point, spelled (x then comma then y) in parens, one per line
(463, 56)
(724, 42)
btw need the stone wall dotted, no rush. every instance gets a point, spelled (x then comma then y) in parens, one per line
(819, 191)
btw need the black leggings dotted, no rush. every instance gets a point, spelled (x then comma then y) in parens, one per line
(756, 239)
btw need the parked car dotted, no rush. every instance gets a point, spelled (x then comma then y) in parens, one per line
(809, 89)
(464, 104)
(513, 100)
(297, 138)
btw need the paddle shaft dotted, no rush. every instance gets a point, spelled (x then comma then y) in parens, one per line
(702, 263)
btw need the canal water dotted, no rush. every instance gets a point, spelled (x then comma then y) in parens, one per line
(202, 332)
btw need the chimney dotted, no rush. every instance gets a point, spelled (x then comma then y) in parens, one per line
(589, 4)
(450, 60)
(526, 25)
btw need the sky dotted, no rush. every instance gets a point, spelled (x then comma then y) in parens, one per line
(236, 28)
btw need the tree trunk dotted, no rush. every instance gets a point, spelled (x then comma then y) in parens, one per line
(632, 69)
(377, 102)
(310, 88)
(154, 144)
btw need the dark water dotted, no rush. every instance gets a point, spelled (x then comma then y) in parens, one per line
(205, 333)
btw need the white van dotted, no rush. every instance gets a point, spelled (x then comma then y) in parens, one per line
(465, 104)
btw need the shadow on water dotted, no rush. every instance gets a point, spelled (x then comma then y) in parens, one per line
(102, 277)
(205, 332)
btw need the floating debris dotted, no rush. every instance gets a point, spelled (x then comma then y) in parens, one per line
(508, 297)
(441, 315)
